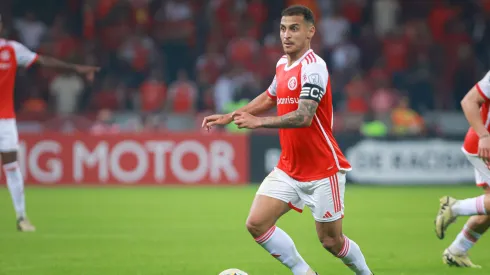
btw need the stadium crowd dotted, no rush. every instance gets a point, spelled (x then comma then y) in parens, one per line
(166, 63)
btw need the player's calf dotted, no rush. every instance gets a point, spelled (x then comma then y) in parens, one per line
(332, 239)
(261, 224)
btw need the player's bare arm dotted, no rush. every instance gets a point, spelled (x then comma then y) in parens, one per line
(302, 117)
(257, 106)
(51, 62)
(471, 104)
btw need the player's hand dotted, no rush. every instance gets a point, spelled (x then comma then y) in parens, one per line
(246, 120)
(209, 121)
(88, 71)
(484, 147)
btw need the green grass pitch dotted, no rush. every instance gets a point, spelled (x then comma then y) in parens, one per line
(169, 230)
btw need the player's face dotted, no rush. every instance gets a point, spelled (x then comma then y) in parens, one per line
(295, 33)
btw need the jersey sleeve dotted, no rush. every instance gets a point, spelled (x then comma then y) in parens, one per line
(23, 55)
(314, 79)
(271, 91)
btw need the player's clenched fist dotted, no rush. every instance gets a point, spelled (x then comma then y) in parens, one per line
(217, 119)
(246, 120)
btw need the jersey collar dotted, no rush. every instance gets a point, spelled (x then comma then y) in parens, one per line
(286, 68)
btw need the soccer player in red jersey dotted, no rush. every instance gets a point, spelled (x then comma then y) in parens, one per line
(476, 147)
(12, 56)
(312, 168)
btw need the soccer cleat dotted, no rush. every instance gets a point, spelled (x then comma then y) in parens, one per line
(444, 216)
(24, 225)
(457, 260)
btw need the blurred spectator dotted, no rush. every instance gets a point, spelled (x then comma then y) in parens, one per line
(30, 30)
(333, 30)
(66, 89)
(175, 19)
(418, 84)
(357, 96)
(104, 124)
(153, 92)
(182, 95)
(211, 63)
(406, 121)
(138, 51)
(385, 14)
(35, 103)
(395, 50)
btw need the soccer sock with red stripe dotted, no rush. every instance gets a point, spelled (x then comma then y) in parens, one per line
(352, 257)
(464, 241)
(281, 246)
(469, 207)
(15, 183)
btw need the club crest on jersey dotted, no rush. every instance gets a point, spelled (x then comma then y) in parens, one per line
(292, 83)
(5, 55)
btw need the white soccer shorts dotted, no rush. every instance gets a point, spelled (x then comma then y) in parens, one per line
(9, 138)
(482, 170)
(324, 197)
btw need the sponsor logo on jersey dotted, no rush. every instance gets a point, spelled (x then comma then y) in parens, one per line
(287, 100)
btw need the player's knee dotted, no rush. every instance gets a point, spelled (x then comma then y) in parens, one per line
(332, 244)
(255, 227)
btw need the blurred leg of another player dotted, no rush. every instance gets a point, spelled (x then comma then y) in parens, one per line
(478, 208)
(15, 180)
(277, 195)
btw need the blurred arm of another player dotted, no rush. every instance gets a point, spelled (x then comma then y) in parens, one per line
(471, 104)
(258, 105)
(50, 62)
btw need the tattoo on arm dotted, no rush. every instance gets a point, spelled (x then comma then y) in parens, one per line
(54, 63)
(302, 117)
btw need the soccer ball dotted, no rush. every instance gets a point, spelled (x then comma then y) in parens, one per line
(233, 271)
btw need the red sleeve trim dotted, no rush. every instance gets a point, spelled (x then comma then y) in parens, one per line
(481, 92)
(271, 96)
(33, 61)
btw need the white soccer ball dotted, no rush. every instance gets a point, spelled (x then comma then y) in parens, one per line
(233, 271)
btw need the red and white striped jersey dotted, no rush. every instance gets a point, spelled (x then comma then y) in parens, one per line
(12, 55)
(309, 153)
(470, 145)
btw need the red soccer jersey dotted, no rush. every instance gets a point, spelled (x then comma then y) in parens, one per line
(12, 55)
(309, 153)
(470, 145)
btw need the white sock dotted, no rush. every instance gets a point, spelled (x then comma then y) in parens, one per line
(352, 257)
(464, 241)
(15, 183)
(469, 207)
(281, 246)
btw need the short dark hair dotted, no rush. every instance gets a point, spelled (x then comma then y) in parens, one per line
(300, 10)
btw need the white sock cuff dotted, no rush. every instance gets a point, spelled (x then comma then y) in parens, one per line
(470, 234)
(11, 166)
(345, 248)
(266, 236)
(480, 205)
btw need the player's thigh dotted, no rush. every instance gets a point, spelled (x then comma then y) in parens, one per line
(9, 140)
(325, 198)
(482, 171)
(274, 198)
